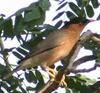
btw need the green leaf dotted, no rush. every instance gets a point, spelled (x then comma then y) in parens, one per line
(70, 15)
(38, 21)
(98, 57)
(82, 3)
(18, 55)
(22, 51)
(82, 13)
(58, 15)
(32, 15)
(14, 85)
(89, 10)
(30, 77)
(22, 89)
(1, 91)
(2, 69)
(8, 28)
(79, 2)
(44, 4)
(61, 6)
(30, 88)
(8, 49)
(70, 81)
(58, 24)
(31, 6)
(68, 90)
(15, 91)
(5, 86)
(75, 8)
(85, 2)
(19, 11)
(5, 52)
(19, 24)
(39, 76)
(95, 3)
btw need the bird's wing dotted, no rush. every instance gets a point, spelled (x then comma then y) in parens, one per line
(50, 42)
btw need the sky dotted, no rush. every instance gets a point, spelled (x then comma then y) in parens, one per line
(8, 7)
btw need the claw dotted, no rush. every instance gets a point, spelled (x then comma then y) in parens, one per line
(52, 74)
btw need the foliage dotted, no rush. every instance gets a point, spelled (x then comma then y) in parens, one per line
(30, 21)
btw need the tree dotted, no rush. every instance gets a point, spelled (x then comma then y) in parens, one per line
(29, 21)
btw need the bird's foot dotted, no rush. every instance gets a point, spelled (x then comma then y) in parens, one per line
(53, 74)
(61, 82)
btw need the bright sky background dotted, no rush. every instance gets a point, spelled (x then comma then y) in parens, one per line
(8, 7)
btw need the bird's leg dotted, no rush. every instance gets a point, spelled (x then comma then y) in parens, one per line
(54, 76)
(51, 73)
(58, 78)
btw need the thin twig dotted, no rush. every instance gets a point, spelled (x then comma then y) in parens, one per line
(82, 70)
(83, 60)
(73, 70)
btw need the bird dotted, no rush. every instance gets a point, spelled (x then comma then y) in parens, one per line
(55, 47)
